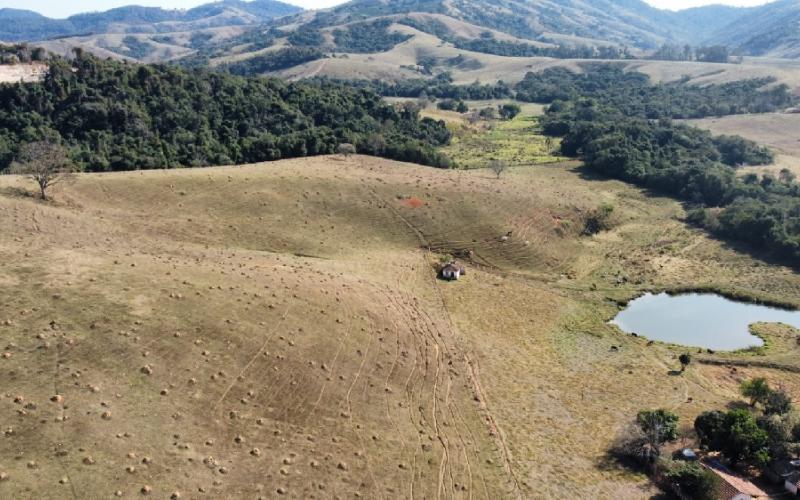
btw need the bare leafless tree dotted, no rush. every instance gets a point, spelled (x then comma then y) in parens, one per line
(45, 162)
(498, 167)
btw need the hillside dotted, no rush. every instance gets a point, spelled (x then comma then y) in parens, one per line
(483, 40)
(632, 22)
(552, 28)
(22, 25)
(771, 30)
(187, 331)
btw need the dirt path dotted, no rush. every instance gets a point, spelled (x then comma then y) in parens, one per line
(319, 69)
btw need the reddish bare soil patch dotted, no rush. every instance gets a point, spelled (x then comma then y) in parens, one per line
(413, 202)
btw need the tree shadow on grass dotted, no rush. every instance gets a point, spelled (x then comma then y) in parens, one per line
(738, 405)
(616, 460)
(17, 192)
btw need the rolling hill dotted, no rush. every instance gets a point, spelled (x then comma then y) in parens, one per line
(773, 30)
(23, 25)
(400, 34)
(277, 331)
(485, 40)
(630, 22)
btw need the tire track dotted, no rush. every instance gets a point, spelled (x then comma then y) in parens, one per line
(491, 421)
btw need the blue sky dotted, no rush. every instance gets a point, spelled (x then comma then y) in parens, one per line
(62, 8)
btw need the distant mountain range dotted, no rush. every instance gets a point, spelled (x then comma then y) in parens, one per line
(773, 29)
(24, 25)
(628, 22)
(233, 30)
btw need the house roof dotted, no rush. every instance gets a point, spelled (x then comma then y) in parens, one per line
(734, 484)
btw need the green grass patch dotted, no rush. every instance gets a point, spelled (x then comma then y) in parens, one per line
(518, 142)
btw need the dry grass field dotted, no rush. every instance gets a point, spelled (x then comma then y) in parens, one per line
(277, 330)
(14, 73)
(778, 131)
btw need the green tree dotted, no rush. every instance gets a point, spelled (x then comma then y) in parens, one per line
(488, 114)
(736, 434)
(710, 429)
(745, 441)
(757, 389)
(777, 403)
(685, 359)
(658, 426)
(509, 111)
(786, 176)
(599, 219)
(694, 481)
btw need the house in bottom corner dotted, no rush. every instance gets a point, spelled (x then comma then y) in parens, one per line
(734, 487)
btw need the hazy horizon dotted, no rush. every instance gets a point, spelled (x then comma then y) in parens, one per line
(59, 9)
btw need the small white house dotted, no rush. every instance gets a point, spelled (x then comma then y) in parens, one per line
(452, 271)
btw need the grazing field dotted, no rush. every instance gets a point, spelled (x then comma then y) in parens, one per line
(278, 330)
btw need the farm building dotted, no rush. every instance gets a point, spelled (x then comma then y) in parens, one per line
(452, 271)
(734, 487)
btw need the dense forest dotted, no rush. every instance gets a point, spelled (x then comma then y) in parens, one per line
(367, 37)
(632, 93)
(118, 116)
(306, 37)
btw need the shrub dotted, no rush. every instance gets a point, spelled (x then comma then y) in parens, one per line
(599, 219)
(694, 481)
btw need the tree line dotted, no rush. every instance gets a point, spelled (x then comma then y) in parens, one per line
(712, 53)
(113, 115)
(21, 53)
(441, 87)
(632, 94)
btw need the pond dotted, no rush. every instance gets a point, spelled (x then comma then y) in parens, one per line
(700, 319)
